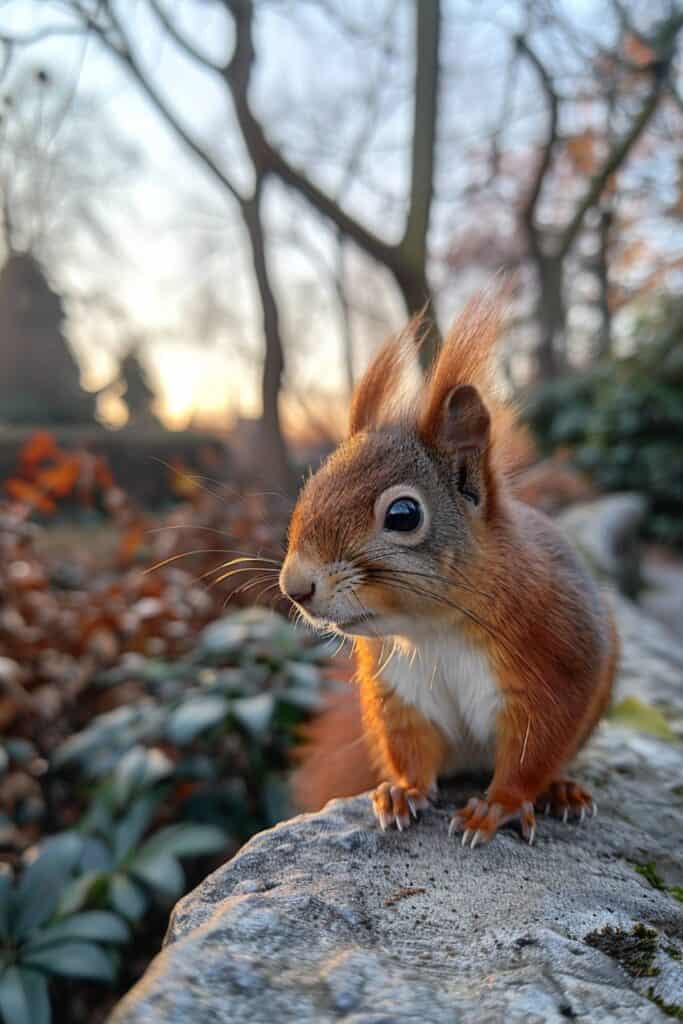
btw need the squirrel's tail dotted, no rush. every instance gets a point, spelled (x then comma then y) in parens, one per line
(334, 759)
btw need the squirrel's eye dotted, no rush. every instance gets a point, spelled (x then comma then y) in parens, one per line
(404, 515)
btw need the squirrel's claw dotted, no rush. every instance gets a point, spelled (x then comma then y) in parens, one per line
(479, 821)
(397, 804)
(567, 800)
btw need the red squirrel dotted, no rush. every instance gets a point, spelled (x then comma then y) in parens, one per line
(481, 641)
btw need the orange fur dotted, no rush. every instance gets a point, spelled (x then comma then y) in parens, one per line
(335, 757)
(379, 382)
(468, 357)
(405, 746)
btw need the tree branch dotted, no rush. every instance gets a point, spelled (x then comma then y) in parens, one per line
(613, 161)
(428, 24)
(270, 160)
(181, 41)
(127, 58)
(663, 45)
(545, 162)
(676, 96)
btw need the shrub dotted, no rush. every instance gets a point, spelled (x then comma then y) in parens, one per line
(623, 420)
(144, 733)
(37, 939)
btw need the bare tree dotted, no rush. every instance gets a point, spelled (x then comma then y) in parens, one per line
(405, 259)
(549, 249)
(52, 172)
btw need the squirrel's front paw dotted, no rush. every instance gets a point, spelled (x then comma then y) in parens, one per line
(480, 819)
(566, 799)
(394, 803)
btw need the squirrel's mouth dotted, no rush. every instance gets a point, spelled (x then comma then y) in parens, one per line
(355, 620)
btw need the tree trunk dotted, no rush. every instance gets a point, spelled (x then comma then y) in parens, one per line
(271, 463)
(604, 340)
(551, 316)
(345, 315)
(410, 271)
(418, 298)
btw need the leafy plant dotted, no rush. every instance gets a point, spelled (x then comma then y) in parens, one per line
(229, 707)
(39, 940)
(142, 728)
(120, 868)
(187, 770)
(623, 420)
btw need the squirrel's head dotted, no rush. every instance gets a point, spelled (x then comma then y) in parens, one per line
(385, 534)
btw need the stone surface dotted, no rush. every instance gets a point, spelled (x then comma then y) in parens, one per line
(324, 918)
(606, 532)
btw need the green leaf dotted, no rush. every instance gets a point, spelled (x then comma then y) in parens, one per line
(127, 897)
(77, 892)
(254, 713)
(302, 697)
(20, 750)
(129, 831)
(194, 716)
(74, 960)
(6, 889)
(222, 637)
(303, 673)
(14, 1004)
(35, 988)
(24, 997)
(138, 768)
(635, 714)
(183, 840)
(98, 819)
(160, 872)
(94, 925)
(76, 747)
(42, 882)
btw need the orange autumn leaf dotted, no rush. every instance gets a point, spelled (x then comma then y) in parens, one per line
(610, 186)
(104, 477)
(633, 253)
(637, 51)
(131, 542)
(22, 490)
(581, 149)
(40, 446)
(61, 479)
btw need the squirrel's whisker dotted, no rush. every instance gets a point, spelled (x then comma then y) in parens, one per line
(183, 554)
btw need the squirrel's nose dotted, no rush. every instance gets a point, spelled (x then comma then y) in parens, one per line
(297, 581)
(301, 596)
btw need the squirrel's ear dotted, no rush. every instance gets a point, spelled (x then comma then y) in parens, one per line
(462, 429)
(461, 421)
(465, 420)
(383, 379)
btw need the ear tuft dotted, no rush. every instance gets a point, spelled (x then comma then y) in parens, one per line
(466, 358)
(382, 381)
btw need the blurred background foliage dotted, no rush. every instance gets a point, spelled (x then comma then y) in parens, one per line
(146, 720)
(202, 239)
(621, 421)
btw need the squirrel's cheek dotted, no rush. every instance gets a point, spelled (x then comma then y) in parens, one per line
(382, 600)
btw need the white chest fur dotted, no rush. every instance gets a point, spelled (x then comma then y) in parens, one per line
(450, 682)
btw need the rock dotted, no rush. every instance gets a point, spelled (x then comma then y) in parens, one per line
(324, 918)
(662, 594)
(607, 532)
